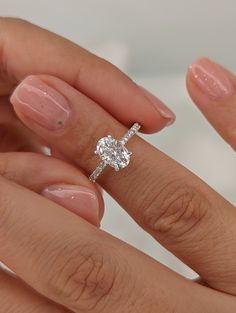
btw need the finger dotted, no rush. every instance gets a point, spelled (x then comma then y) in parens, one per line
(56, 180)
(91, 75)
(14, 136)
(87, 270)
(213, 89)
(173, 205)
(16, 296)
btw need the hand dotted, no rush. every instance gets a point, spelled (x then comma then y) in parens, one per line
(84, 269)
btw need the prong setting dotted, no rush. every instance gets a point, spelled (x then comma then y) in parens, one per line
(113, 152)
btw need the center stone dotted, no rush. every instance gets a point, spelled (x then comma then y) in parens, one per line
(113, 152)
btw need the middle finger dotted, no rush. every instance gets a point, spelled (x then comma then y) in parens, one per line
(167, 200)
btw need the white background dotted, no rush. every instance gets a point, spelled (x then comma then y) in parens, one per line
(154, 41)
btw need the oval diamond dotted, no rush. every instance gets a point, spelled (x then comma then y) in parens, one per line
(113, 152)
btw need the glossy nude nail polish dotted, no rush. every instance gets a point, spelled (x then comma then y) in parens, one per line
(78, 199)
(212, 79)
(41, 103)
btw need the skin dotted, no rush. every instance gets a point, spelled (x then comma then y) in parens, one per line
(69, 264)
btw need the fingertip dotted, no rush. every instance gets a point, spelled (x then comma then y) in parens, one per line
(213, 89)
(80, 200)
(155, 124)
(158, 114)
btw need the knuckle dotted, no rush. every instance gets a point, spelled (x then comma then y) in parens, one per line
(176, 211)
(85, 280)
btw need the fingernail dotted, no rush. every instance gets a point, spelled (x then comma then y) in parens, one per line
(163, 110)
(41, 103)
(211, 78)
(78, 199)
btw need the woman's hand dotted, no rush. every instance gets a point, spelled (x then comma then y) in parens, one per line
(72, 263)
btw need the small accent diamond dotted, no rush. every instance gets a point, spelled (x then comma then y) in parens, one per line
(130, 133)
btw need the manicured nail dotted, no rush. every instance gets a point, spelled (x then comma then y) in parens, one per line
(41, 103)
(163, 110)
(78, 199)
(211, 78)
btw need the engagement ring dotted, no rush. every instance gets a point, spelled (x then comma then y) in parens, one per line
(113, 152)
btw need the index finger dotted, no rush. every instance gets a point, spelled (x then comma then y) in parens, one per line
(27, 49)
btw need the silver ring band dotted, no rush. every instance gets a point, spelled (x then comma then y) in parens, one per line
(113, 152)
